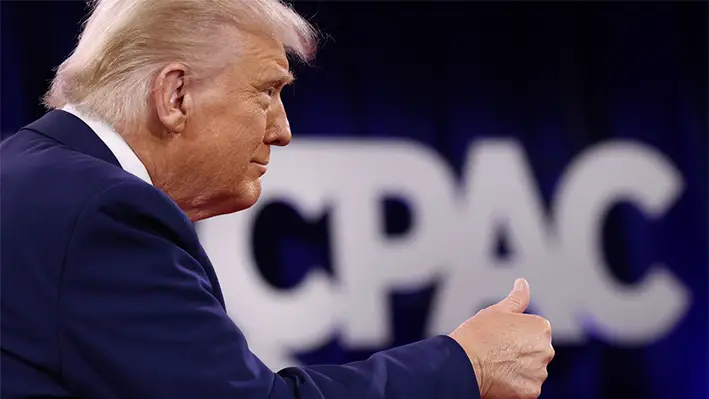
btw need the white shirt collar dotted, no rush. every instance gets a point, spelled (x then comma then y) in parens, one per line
(118, 146)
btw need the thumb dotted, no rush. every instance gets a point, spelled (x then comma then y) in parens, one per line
(518, 299)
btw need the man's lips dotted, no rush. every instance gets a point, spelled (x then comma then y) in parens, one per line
(262, 166)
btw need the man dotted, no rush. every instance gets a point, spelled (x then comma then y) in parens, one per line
(164, 115)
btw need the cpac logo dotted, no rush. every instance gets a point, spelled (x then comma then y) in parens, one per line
(453, 230)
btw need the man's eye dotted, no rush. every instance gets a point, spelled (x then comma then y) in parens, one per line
(271, 91)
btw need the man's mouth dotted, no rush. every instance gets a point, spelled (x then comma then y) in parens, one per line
(262, 166)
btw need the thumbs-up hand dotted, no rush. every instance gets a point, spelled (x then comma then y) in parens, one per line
(509, 350)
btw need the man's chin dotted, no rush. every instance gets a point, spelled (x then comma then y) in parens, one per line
(229, 202)
(248, 195)
(224, 202)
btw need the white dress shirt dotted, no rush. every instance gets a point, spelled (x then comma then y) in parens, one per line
(118, 146)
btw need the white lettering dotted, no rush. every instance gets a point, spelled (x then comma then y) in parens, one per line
(498, 197)
(598, 179)
(451, 240)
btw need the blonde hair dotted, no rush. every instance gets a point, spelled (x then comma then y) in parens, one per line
(125, 43)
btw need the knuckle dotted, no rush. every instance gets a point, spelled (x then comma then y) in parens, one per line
(551, 353)
(528, 390)
(534, 391)
(541, 323)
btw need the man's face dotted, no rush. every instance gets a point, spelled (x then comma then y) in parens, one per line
(234, 120)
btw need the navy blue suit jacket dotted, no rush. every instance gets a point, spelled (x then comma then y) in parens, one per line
(107, 293)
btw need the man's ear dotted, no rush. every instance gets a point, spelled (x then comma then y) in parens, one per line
(169, 92)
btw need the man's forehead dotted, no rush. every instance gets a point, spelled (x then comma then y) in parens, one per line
(267, 57)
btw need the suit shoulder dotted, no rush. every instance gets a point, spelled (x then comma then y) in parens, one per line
(136, 202)
(48, 185)
(137, 210)
(34, 166)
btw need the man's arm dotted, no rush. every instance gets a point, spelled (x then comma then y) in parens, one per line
(138, 320)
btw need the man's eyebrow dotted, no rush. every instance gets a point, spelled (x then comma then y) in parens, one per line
(281, 77)
(288, 78)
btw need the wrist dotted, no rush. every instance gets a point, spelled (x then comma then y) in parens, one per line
(476, 365)
(478, 370)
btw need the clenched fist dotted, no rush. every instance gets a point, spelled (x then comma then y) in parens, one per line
(509, 350)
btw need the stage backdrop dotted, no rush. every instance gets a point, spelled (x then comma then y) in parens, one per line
(441, 150)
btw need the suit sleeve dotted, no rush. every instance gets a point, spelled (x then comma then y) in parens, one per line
(138, 319)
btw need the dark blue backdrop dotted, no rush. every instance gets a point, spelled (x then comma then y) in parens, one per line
(557, 76)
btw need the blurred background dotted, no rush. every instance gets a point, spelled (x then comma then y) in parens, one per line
(442, 149)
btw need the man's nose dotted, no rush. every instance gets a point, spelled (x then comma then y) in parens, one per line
(278, 129)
